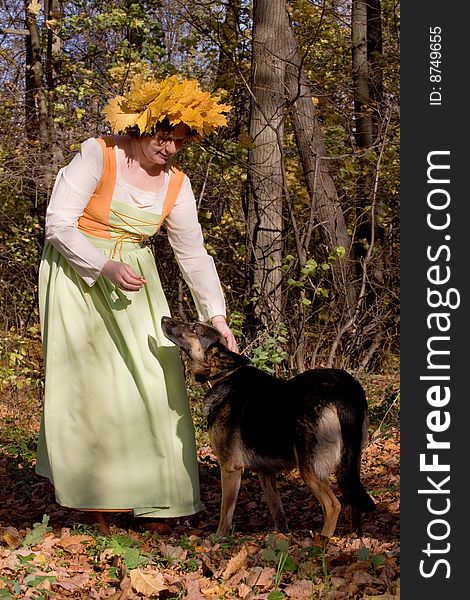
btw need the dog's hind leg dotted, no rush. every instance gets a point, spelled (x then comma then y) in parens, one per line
(273, 500)
(230, 479)
(356, 520)
(328, 501)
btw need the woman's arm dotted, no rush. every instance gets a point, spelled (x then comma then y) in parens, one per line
(72, 191)
(196, 265)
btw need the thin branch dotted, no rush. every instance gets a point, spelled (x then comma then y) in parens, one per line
(368, 256)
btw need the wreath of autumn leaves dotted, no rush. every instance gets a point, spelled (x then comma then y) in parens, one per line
(148, 102)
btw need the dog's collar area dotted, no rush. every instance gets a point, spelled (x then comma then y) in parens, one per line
(214, 379)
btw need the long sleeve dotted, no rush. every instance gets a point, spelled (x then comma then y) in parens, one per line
(196, 265)
(72, 191)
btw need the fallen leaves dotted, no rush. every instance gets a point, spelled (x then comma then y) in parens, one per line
(58, 557)
(147, 583)
(235, 563)
(76, 544)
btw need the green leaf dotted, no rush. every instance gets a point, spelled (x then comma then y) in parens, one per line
(33, 580)
(378, 560)
(269, 554)
(290, 564)
(282, 545)
(131, 557)
(275, 595)
(363, 554)
(314, 551)
(294, 283)
(37, 533)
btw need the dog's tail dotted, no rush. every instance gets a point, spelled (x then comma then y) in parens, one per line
(348, 473)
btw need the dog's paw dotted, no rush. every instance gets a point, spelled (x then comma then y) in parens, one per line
(320, 540)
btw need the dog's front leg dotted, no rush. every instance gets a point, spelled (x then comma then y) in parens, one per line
(273, 500)
(230, 478)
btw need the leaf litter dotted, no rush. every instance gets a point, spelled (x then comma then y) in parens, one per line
(46, 551)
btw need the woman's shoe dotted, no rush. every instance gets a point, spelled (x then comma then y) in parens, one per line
(98, 518)
(157, 526)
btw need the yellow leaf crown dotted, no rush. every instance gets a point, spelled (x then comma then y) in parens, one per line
(149, 102)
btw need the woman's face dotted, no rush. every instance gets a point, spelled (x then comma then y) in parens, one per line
(165, 144)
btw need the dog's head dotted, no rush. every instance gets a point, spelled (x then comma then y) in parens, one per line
(205, 346)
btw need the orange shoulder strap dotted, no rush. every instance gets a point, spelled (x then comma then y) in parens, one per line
(95, 218)
(107, 182)
(174, 187)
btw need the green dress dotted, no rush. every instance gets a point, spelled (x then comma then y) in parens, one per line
(116, 430)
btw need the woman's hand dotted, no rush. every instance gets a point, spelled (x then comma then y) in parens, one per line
(122, 276)
(220, 323)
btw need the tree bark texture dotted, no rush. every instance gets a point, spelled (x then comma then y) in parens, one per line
(360, 68)
(366, 37)
(31, 116)
(41, 101)
(53, 57)
(266, 181)
(375, 59)
(326, 208)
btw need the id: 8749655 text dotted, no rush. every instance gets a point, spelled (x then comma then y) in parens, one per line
(435, 72)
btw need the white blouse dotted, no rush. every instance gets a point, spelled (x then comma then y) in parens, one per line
(73, 188)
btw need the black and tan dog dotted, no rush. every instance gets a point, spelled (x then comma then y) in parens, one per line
(316, 421)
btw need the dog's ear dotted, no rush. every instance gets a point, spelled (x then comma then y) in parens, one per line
(225, 358)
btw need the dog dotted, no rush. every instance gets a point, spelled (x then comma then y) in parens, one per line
(317, 421)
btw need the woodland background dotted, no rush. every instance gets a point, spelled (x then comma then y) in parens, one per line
(298, 198)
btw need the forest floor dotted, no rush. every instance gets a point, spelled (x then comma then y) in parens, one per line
(47, 552)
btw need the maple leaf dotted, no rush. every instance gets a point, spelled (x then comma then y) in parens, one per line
(144, 120)
(156, 106)
(148, 102)
(118, 119)
(141, 93)
(34, 7)
(193, 118)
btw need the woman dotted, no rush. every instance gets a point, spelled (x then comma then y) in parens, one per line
(116, 432)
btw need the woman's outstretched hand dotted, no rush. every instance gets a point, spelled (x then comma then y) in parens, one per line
(220, 323)
(122, 276)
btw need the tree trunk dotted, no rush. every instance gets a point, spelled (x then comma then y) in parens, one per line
(41, 102)
(363, 124)
(265, 160)
(226, 77)
(362, 101)
(367, 84)
(53, 56)
(375, 59)
(31, 117)
(326, 209)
